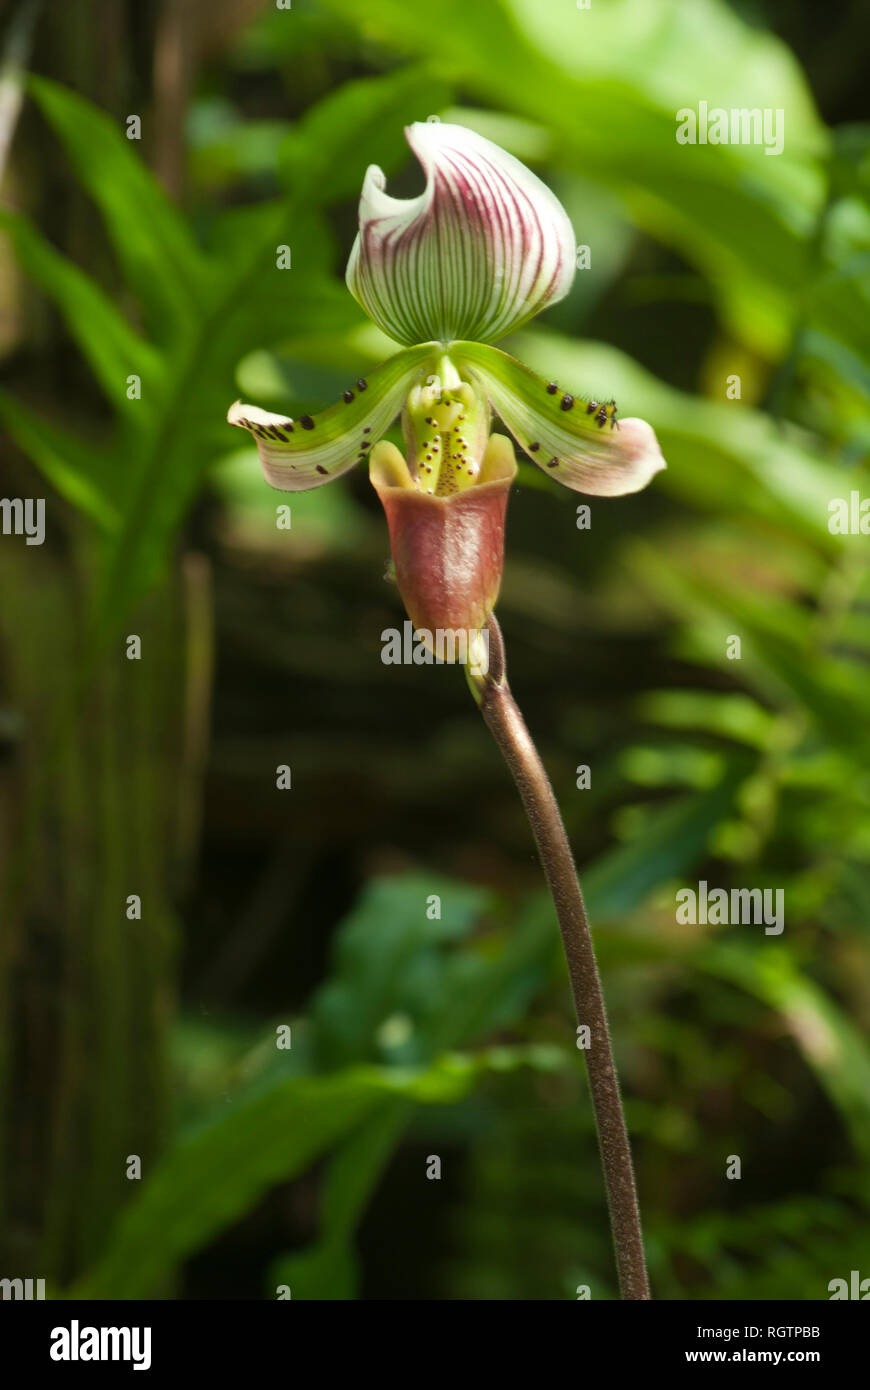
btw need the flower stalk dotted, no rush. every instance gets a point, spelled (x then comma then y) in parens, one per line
(507, 726)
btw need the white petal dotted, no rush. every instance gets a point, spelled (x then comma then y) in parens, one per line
(484, 247)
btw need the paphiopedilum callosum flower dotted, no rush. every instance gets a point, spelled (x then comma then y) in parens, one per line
(484, 247)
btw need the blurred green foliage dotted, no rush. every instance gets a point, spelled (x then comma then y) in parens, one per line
(452, 1036)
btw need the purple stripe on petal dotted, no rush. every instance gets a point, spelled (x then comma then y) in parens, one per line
(482, 249)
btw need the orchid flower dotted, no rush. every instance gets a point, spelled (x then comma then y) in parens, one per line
(483, 248)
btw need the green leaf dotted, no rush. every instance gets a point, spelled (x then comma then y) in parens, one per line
(243, 1154)
(779, 643)
(265, 1140)
(329, 1268)
(620, 882)
(724, 460)
(181, 446)
(388, 969)
(360, 124)
(725, 714)
(160, 259)
(830, 1043)
(78, 472)
(106, 340)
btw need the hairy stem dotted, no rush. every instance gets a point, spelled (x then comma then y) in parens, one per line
(508, 728)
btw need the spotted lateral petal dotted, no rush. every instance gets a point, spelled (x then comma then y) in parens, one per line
(579, 443)
(314, 449)
(484, 247)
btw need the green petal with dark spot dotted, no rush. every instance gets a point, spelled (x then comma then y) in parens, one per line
(306, 452)
(579, 443)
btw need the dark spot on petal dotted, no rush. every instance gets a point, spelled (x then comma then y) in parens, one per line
(287, 425)
(591, 407)
(552, 463)
(366, 444)
(567, 402)
(367, 429)
(552, 388)
(533, 448)
(347, 397)
(361, 384)
(601, 417)
(320, 468)
(306, 422)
